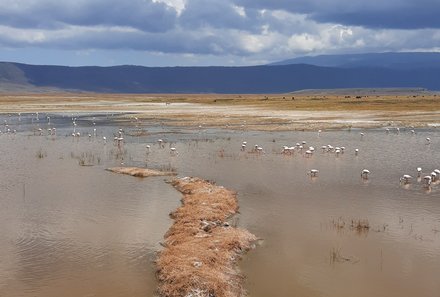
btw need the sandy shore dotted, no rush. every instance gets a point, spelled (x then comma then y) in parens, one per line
(258, 112)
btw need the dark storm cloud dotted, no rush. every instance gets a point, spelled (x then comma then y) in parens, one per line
(249, 29)
(385, 14)
(46, 14)
(175, 41)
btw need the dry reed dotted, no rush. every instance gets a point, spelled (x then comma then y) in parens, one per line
(140, 172)
(201, 249)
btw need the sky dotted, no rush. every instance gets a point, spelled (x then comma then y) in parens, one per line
(210, 32)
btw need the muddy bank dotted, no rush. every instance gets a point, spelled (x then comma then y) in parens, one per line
(139, 172)
(201, 249)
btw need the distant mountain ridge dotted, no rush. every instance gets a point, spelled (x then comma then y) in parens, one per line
(404, 60)
(16, 77)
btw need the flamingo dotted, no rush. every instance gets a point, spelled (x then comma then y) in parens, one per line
(427, 180)
(173, 151)
(419, 171)
(356, 152)
(313, 172)
(406, 179)
(428, 140)
(434, 176)
(365, 173)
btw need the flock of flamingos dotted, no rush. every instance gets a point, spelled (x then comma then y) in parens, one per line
(300, 148)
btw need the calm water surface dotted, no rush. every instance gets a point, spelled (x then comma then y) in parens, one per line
(70, 230)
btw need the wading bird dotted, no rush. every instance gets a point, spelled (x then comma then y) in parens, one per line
(313, 172)
(365, 173)
(406, 179)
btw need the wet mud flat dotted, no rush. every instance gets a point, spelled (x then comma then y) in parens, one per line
(201, 248)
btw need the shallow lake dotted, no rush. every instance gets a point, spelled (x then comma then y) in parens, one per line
(71, 230)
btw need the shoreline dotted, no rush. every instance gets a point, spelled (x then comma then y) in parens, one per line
(250, 112)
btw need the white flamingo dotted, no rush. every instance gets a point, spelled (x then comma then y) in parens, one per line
(419, 171)
(313, 172)
(365, 173)
(406, 179)
(433, 176)
(427, 180)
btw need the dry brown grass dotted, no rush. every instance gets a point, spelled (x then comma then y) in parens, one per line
(320, 101)
(201, 249)
(140, 172)
(307, 111)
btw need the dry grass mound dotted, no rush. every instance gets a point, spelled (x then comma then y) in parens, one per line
(140, 172)
(201, 248)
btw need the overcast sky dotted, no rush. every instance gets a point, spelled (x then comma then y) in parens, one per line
(210, 32)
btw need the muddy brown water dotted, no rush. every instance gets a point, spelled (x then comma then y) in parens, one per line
(71, 230)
